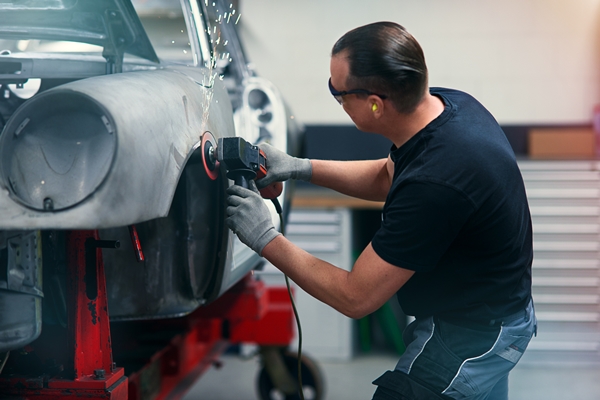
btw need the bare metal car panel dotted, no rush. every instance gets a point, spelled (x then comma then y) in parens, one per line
(157, 117)
(106, 152)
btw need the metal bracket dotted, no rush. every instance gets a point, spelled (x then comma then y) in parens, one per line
(120, 37)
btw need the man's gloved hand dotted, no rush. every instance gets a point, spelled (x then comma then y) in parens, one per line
(249, 218)
(281, 167)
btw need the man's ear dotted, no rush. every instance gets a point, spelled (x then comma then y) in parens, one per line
(376, 105)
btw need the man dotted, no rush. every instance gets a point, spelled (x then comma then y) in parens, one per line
(455, 242)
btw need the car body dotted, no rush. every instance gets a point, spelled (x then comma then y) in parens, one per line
(105, 107)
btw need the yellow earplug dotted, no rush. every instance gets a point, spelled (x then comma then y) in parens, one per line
(374, 108)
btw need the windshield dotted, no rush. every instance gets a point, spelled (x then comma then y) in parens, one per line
(163, 21)
(166, 26)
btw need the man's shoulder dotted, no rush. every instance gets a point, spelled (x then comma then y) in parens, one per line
(453, 94)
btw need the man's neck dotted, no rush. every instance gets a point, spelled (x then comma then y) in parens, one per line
(399, 128)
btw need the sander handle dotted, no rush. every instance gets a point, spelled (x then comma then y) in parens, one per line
(274, 189)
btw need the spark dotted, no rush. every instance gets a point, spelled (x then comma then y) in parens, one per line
(217, 55)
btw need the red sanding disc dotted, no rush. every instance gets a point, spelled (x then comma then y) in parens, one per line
(211, 168)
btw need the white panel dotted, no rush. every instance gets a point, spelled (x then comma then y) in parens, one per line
(563, 194)
(566, 316)
(566, 299)
(308, 229)
(565, 246)
(565, 281)
(555, 167)
(565, 264)
(313, 217)
(564, 211)
(566, 228)
(563, 346)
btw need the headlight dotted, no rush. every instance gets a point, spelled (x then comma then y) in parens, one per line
(56, 150)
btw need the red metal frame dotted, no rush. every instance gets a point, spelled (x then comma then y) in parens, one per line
(250, 312)
(88, 370)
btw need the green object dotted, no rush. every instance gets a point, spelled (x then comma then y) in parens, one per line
(390, 328)
(364, 334)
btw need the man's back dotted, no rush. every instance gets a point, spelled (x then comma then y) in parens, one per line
(457, 214)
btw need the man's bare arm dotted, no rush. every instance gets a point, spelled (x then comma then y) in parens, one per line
(356, 293)
(369, 179)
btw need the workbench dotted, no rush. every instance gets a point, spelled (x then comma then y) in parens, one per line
(312, 197)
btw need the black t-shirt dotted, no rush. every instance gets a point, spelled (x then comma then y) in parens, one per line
(457, 214)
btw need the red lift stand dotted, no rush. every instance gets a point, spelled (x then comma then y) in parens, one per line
(84, 347)
(78, 362)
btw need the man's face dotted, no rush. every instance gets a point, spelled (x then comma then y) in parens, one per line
(357, 107)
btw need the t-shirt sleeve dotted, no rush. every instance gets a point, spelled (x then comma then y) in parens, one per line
(420, 221)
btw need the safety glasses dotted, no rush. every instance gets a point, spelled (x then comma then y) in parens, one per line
(339, 95)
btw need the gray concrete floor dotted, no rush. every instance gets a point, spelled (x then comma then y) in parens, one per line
(235, 380)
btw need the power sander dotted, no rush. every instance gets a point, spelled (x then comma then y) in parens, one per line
(244, 162)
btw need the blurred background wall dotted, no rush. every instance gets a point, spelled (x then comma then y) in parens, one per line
(530, 62)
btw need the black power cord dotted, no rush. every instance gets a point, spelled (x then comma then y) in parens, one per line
(287, 283)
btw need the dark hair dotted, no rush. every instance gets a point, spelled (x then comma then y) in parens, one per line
(384, 58)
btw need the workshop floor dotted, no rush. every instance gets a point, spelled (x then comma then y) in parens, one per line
(352, 380)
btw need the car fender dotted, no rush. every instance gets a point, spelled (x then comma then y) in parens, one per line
(158, 118)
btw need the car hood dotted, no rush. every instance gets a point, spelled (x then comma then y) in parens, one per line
(107, 23)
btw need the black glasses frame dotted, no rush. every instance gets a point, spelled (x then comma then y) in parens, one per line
(338, 95)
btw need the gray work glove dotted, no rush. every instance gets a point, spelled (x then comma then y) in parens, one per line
(249, 218)
(281, 167)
